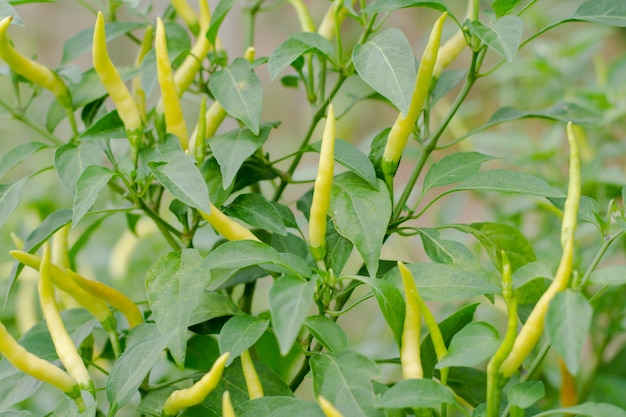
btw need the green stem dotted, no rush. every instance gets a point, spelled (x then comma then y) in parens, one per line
(19, 115)
(607, 241)
(166, 229)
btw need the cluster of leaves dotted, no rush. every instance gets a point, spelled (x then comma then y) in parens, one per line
(199, 292)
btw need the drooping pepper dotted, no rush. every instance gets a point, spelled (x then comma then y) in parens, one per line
(322, 189)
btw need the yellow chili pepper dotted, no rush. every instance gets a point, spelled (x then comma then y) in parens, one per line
(306, 23)
(226, 226)
(35, 366)
(184, 75)
(227, 406)
(453, 47)
(411, 331)
(61, 280)
(333, 18)
(138, 93)
(435, 335)
(115, 298)
(115, 86)
(328, 409)
(533, 328)
(567, 392)
(322, 189)
(253, 383)
(194, 395)
(31, 70)
(184, 10)
(63, 344)
(403, 126)
(174, 120)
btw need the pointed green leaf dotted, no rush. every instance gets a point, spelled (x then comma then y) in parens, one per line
(71, 160)
(503, 36)
(454, 168)
(417, 393)
(255, 210)
(344, 379)
(504, 7)
(239, 333)
(174, 287)
(530, 272)
(238, 89)
(278, 406)
(289, 298)
(181, 177)
(220, 12)
(504, 181)
(382, 6)
(386, 63)
(17, 155)
(10, 195)
(81, 43)
(107, 127)
(352, 158)
(450, 252)
(603, 12)
(233, 148)
(297, 45)
(213, 305)
(88, 188)
(611, 275)
(327, 332)
(361, 214)
(143, 348)
(525, 394)
(475, 343)
(568, 323)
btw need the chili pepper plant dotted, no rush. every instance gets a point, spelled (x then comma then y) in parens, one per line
(362, 208)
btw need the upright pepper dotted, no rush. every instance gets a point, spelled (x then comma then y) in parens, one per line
(411, 331)
(31, 70)
(253, 383)
(335, 15)
(194, 395)
(226, 226)
(328, 409)
(174, 120)
(138, 93)
(184, 75)
(184, 10)
(451, 49)
(115, 86)
(63, 344)
(306, 23)
(227, 405)
(533, 327)
(403, 126)
(322, 189)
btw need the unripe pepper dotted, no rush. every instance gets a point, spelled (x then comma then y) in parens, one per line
(34, 366)
(184, 75)
(63, 344)
(194, 395)
(174, 120)
(403, 126)
(328, 409)
(31, 70)
(411, 331)
(451, 49)
(533, 327)
(322, 189)
(226, 226)
(184, 10)
(306, 23)
(333, 18)
(253, 383)
(112, 81)
(227, 405)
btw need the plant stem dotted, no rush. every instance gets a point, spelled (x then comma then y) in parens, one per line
(19, 115)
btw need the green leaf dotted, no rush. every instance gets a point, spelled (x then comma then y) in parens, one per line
(451, 283)
(71, 160)
(327, 332)
(108, 127)
(454, 168)
(239, 333)
(233, 148)
(450, 252)
(386, 64)
(338, 249)
(213, 305)
(289, 299)
(88, 188)
(17, 155)
(143, 349)
(278, 406)
(496, 237)
(568, 323)
(603, 12)
(344, 379)
(297, 45)
(47, 228)
(180, 176)
(382, 6)
(504, 36)
(361, 214)
(531, 272)
(255, 210)
(587, 409)
(352, 158)
(82, 42)
(238, 89)
(474, 344)
(504, 181)
(174, 287)
(7, 10)
(504, 7)
(611, 275)
(220, 12)
(588, 210)
(10, 195)
(417, 393)
(525, 394)
(242, 253)
(390, 301)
